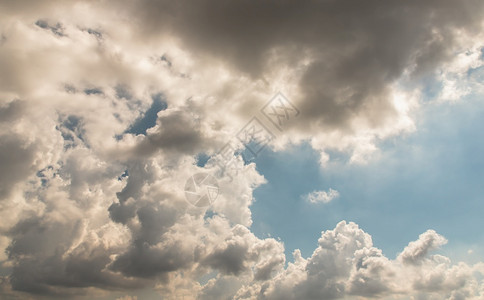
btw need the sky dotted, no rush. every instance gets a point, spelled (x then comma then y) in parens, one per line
(266, 150)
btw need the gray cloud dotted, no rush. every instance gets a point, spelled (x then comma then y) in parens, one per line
(229, 260)
(16, 160)
(357, 49)
(45, 267)
(11, 111)
(177, 131)
(146, 261)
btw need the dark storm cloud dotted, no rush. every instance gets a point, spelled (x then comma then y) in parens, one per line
(357, 48)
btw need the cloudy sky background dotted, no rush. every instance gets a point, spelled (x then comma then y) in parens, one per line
(373, 191)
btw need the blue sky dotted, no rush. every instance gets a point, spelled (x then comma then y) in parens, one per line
(429, 179)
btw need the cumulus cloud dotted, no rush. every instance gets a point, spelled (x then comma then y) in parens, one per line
(346, 264)
(418, 250)
(322, 196)
(91, 189)
(345, 69)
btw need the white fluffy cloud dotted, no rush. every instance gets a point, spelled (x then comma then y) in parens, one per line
(346, 264)
(87, 206)
(322, 196)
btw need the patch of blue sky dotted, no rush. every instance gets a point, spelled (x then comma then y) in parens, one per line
(476, 74)
(148, 119)
(430, 179)
(202, 159)
(431, 88)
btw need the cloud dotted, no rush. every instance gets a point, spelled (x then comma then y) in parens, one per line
(418, 250)
(17, 160)
(346, 264)
(322, 196)
(92, 175)
(127, 297)
(343, 74)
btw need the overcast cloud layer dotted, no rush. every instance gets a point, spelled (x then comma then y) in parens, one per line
(92, 200)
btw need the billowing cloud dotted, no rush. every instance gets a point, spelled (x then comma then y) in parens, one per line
(93, 166)
(346, 264)
(418, 250)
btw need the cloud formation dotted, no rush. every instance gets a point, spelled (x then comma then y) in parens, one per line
(322, 196)
(91, 193)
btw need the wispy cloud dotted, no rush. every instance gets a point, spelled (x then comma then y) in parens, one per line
(322, 196)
